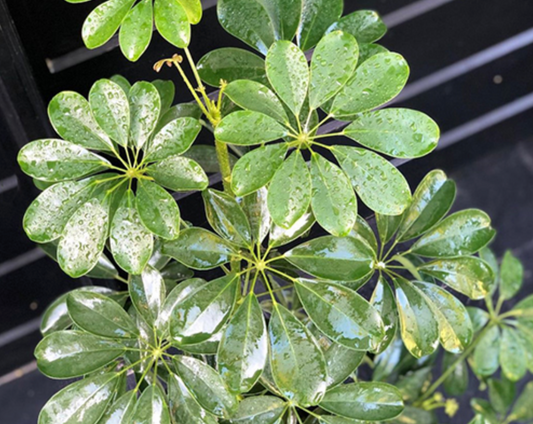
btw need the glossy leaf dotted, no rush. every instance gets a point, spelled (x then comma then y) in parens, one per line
(183, 406)
(501, 394)
(145, 108)
(121, 410)
(206, 156)
(167, 93)
(317, 17)
(333, 258)
(512, 354)
(462, 233)
(289, 194)
(366, 51)
(419, 326)
(259, 410)
(341, 314)
(104, 21)
(173, 139)
(281, 236)
(432, 200)
(151, 407)
(485, 358)
(333, 200)
(377, 182)
(377, 81)
(179, 173)
(383, 302)
(256, 209)
(148, 293)
(522, 408)
(158, 210)
(365, 25)
(243, 350)
(327, 77)
(204, 311)
(362, 231)
(364, 401)
(456, 383)
(56, 160)
(83, 401)
(100, 315)
(248, 128)
(193, 8)
(341, 363)
(478, 316)
(401, 133)
(136, 30)
(511, 275)
(298, 365)
(172, 22)
(387, 226)
(206, 385)
(69, 354)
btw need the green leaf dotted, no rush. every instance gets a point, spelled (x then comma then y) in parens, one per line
(206, 385)
(501, 394)
(243, 350)
(167, 93)
(72, 118)
(362, 231)
(298, 365)
(247, 128)
(256, 209)
(317, 17)
(174, 138)
(287, 71)
(259, 410)
(341, 363)
(401, 133)
(104, 21)
(413, 415)
(121, 410)
(122, 82)
(419, 326)
(364, 401)
(83, 401)
(468, 275)
(183, 406)
(206, 156)
(522, 410)
(227, 218)
(56, 160)
(379, 184)
(432, 200)
(463, 233)
(341, 314)
(455, 327)
(485, 414)
(383, 302)
(151, 407)
(231, 64)
(69, 354)
(172, 22)
(179, 173)
(158, 210)
(280, 236)
(478, 316)
(136, 30)
(100, 315)
(485, 358)
(512, 354)
(327, 77)
(194, 11)
(377, 81)
(199, 249)
(366, 51)
(365, 25)
(148, 293)
(109, 105)
(204, 311)
(413, 383)
(456, 383)
(333, 200)
(333, 258)
(511, 275)
(289, 194)
(88, 224)
(145, 108)
(387, 226)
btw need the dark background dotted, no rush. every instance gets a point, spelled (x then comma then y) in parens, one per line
(471, 70)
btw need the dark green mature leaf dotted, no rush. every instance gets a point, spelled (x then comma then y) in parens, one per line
(379, 184)
(172, 22)
(122, 82)
(341, 363)
(365, 25)
(151, 407)
(259, 410)
(366, 51)
(341, 314)
(456, 383)
(413, 383)
(227, 218)
(204, 311)
(281, 236)
(364, 401)
(383, 302)
(512, 354)
(333, 200)
(69, 354)
(327, 77)
(485, 358)
(173, 139)
(462, 233)
(289, 194)
(72, 118)
(256, 209)
(387, 226)
(179, 173)
(419, 326)
(484, 411)
(455, 327)
(468, 275)
(136, 30)
(145, 109)
(298, 364)
(183, 406)
(317, 17)
(121, 410)
(100, 315)
(206, 156)
(401, 133)
(377, 81)
(89, 223)
(247, 128)
(412, 415)
(243, 350)
(56, 160)
(206, 385)
(104, 21)
(333, 258)
(501, 394)
(362, 231)
(148, 293)
(231, 64)
(511, 275)
(83, 401)
(432, 199)
(522, 409)
(167, 93)
(158, 210)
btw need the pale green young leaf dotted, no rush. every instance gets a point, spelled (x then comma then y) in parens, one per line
(172, 22)
(365, 25)
(122, 82)
(179, 173)
(485, 358)
(366, 51)
(512, 354)
(522, 408)
(136, 30)
(194, 11)
(247, 128)
(104, 21)
(316, 17)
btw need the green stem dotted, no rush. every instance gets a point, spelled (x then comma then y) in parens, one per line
(225, 166)
(409, 266)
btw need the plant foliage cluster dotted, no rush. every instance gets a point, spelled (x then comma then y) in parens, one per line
(277, 330)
